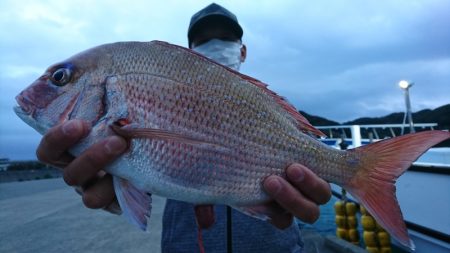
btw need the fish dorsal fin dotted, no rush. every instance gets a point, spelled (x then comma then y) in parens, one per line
(302, 123)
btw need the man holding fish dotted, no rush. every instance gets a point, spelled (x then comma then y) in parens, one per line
(215, 33)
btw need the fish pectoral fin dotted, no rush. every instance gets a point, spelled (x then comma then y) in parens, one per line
(135, 204)
(131, 131)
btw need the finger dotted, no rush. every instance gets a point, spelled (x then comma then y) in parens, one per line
(279, 217)
(311, 186)
(282, 221)
(291, 199)
(114, 207)
(100, 193)
(86, 166)
(55, 143)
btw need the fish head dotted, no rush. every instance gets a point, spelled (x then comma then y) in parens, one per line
(71, 89)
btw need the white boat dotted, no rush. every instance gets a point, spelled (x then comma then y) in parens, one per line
(423, 191)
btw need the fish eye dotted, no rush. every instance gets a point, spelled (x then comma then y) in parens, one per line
(61, 76)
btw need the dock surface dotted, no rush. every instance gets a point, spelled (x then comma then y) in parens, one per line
(48, 216)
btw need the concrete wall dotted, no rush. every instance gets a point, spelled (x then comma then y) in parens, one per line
(25, 175)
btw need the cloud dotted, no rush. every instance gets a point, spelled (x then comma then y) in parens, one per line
(369, 90)
(341, 60)
(18, 71)
(26, 150)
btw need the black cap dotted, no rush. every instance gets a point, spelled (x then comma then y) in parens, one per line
(214, 14)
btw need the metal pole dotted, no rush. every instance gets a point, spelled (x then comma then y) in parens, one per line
(229, 231)
(403, 123)
(408, 110)
(356, 135)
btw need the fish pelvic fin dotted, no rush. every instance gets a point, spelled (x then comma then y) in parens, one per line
(382, 163)
(135, 204)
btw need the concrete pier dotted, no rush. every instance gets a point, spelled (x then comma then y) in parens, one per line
(48, 216)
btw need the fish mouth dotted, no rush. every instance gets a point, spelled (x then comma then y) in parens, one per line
(25, 110)
(28, 119)
(29, 108)
(20, 111)
(25, 104)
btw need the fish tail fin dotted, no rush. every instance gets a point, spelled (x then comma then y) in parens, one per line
(381, 164)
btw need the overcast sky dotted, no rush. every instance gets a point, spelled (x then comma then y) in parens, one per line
(337, 59)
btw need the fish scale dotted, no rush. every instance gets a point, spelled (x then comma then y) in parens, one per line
(203, 133)
(193, 123)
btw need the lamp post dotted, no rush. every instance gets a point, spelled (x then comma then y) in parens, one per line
(405, 85)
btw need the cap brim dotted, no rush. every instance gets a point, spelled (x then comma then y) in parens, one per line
(215, 20)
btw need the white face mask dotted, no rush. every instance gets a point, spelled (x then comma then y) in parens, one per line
(227, 53)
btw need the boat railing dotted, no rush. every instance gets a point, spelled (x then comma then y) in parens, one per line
(373, 131)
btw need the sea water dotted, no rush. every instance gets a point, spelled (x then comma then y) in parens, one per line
(326, 224)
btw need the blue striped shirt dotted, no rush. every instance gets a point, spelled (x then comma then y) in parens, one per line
(249, 234)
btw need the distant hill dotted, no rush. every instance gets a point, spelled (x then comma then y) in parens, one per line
(393, 118)
(318, 121)
(440, 115)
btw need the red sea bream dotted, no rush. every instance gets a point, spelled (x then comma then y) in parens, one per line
(203, 133)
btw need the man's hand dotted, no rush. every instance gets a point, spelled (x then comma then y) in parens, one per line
(300, 195)
(85, 172)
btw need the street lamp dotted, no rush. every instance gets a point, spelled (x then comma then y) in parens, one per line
(405, 85)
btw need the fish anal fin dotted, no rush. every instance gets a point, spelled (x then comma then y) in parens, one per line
(135, 204)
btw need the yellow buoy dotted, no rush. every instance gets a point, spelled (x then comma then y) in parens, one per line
(342, 233)
(352, 222)
(384, 239)
(339, 208)
(353, 235)
(340, 221)
(386, 250)
(372, 249)
(363, 210)
(379, 227)
(370, 238)
(346, 221)
(368, 223)
(375, 237)
(350, 208)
